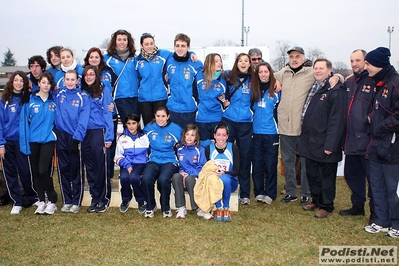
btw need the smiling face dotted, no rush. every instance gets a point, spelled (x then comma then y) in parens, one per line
(148, 45)
(70, 80)
(255, 59)
(321, 71)
(190, 137)
(221, 137)
(94, 59)
(17, 84)
(90, 77)
(264, 74)
(66, 58)
(161, 118)
(55, 59)
(121, 41)
(243, 64)
(181, 48)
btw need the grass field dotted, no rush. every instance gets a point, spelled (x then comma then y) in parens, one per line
(259, 234)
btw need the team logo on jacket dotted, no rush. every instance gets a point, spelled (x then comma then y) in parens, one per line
(323, 96)
(167, 138)
(116, 61)
(186, 72)
(51, 107)
(141, 64)
(181, 157)
(155, 60)
(348, 89)
(366, 88)
(385, 93)
(75, 103)
(194, 158)
(12, 109)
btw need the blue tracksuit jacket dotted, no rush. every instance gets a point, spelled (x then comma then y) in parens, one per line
(9, 119)
(191, 159)
(131, 150)
(264, 110)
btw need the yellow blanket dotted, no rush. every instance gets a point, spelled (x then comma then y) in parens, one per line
(209, 188)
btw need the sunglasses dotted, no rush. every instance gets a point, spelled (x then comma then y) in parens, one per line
(256, 59)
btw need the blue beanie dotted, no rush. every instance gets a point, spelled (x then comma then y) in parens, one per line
(379, 57)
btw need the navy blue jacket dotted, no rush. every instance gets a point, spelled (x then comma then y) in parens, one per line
(384, 144)
(323, 125)
(360, 94)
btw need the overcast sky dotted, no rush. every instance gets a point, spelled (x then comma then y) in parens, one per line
(335, 27)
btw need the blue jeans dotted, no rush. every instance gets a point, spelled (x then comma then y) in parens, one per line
(264, 160)
(230, 184)
(242, 134)
(163, 173)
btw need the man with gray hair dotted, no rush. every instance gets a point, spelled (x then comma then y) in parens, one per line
(256, 56)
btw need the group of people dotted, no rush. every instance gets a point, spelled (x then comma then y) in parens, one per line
(247, 111)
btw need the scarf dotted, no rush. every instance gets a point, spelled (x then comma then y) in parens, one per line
(216, 75)
(244, 75)
(311, 93)
(71, 67)
(181, 58)
(148, 56)
(264, 86)
(380, 76)
(297, 69)
(123, 54)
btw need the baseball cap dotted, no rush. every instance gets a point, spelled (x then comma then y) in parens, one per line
(296, 48)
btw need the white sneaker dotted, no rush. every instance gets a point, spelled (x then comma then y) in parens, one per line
(167, 214)
(245, 201)
(36, 204)
(74, 209)
(16, 210)
(41, 207)
(268, 200)
(205, 215)
(260, 198)
(66, 208)
(150, 214)
(181, 213)
(50, 208)
(393, 233)
(375, 228)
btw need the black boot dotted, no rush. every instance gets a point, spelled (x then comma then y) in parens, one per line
(355, 210)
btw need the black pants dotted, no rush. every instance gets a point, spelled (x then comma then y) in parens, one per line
(322, 183)
(147, 110)
(41, 160)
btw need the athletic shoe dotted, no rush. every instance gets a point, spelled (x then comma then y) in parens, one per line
(205, 215)
(245, 201)
(375, 228)
(66, 208)
(393, 233)
(16, 210)
(101, 207)
(353, 211)
(50, 208)
(267, 200)
(150, 214)
(92, 207)
(74, 209)
(124, 206)
(142, 207)
(219, 215)
(36, 204)
(181, 213)
(167, 214)
(304, 201)
(260, 198)
(40, 209)
(287, 199)
(226, 215)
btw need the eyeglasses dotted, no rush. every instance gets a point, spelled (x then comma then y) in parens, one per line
(90, 74)
(256, 59)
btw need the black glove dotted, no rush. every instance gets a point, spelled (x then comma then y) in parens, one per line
(74, 147)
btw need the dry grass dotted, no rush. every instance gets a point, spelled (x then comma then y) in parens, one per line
(259, 234)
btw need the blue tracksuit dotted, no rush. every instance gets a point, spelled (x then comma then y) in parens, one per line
(36, 122)
(265, 145)
(72, 116)
(53, 71)
(162, 164)
(126, 85)
(100, 129)
(151, 74)
(131, 151)
(180, 78)
(15, 163)
(59, 77)
(191, 159)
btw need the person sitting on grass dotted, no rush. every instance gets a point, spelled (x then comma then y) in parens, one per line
(192, 158)
(131, 156)
(227, 157)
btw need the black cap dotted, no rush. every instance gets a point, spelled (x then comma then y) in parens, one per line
(296, 48)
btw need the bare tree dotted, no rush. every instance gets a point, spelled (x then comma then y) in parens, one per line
(314, 53)
(341, 68)
(280, 54)
(223, 42)
(104, 44)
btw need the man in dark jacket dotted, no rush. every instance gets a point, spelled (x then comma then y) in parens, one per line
(383, 149)
(360, 94)
(323, 120)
